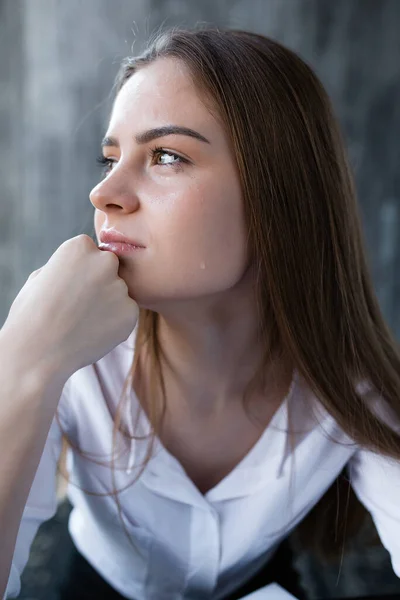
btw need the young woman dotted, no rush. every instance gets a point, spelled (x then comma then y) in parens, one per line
(230, 357)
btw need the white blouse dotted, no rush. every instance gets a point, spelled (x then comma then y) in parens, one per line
(193, 545)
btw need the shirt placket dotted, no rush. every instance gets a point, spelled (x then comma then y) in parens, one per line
(205, 554)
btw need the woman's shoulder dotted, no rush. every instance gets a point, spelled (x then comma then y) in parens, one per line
(311, 416)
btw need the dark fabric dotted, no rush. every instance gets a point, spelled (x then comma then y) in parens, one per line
(82, 582)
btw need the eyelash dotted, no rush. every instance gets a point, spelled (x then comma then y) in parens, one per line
(106, 163)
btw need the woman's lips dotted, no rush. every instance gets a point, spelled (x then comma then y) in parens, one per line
(120, 248)
(108, 236)
(114, 241)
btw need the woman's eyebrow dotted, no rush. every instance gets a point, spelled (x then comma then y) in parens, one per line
(152, 134)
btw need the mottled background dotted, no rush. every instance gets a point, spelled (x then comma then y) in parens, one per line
(58, 61)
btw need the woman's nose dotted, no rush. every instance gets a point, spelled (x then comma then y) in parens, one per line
(106, 196)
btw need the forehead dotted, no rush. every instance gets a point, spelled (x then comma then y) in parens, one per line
(163, 93)
(159, 93)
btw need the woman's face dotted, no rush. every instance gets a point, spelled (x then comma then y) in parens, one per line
(177, 195)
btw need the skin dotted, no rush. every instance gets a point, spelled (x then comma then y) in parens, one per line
(195, 270)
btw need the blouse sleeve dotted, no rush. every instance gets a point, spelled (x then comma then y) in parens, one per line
(41, 503)
(375, 480)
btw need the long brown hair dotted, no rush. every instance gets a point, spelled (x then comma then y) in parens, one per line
(315, 297)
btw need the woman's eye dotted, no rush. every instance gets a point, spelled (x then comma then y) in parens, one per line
(163, 157)
(159, 157)
(105, 163)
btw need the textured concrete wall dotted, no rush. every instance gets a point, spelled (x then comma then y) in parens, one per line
(10, 166)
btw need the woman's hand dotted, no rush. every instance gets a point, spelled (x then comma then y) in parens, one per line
(72, 311)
